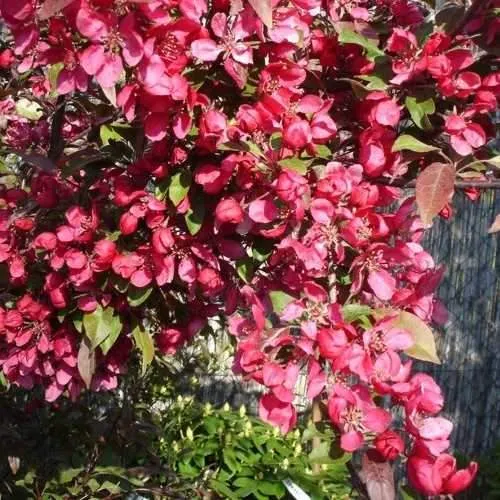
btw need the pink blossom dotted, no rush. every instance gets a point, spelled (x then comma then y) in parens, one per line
(111, 40)
(278, 413)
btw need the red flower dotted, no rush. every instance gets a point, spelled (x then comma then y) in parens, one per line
(389, 445)
(354, 413)
(439, 476)
(464, 136)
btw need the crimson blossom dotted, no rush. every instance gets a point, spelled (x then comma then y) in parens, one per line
(173, 162)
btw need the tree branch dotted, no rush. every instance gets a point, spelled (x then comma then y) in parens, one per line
(403, 183)
(56, 138)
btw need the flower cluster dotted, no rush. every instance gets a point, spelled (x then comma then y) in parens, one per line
(181, 160)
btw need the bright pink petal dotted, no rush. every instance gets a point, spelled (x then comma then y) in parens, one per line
(262, 211)
(387, 113)
(151, 70)
(475, 135)
(322, 210)
(435, 428)
(377, 420)
(460, 145)
(53, 391)
(141, 278)
(65, 82)
(398, 340)
(92, 59)
(91, 25)
(218, 24)
(111, 70)
(133, 46)
(242, 53)
(382, 283)
(206, 49)
(351, 441)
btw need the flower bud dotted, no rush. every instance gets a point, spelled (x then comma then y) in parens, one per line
(389, 444)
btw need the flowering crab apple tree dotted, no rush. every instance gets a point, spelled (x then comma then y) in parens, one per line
(167, 163)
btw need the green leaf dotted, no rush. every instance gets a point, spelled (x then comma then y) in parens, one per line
(109, 133)
(29, 109)
(67, 475)
(144, 342)
(495, 161)
(280, 300)
(161, 189)
(424, 348)
(78, 322)
(321, 454)
(298, 165)
(179, 187)
(374, 82)
(409, 143)
(101, 325)
(245, 482)
(222, 489)
(262, 249)
(137, 296)
(230, 460)
(276, 140)
(420, 111)
(244, 492)
(53, 75)
(408, 494)
(234, 146)
(272, 489)
(115, 327)
(353, 312)
(245, 269)
(195, 215)
(110, 487)
(349, 36)
(323, 151)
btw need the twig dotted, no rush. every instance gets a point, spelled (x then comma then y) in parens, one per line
(56, 147)
(490, 184)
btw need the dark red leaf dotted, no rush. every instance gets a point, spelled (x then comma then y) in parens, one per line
(435, 186)
(495, 227)
(52, 7)
(86, 361)
(264, 9)
(379, 479)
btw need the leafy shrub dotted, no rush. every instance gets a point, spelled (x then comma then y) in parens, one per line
(239, 456)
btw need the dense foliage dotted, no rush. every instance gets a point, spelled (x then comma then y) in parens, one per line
(175, 168)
